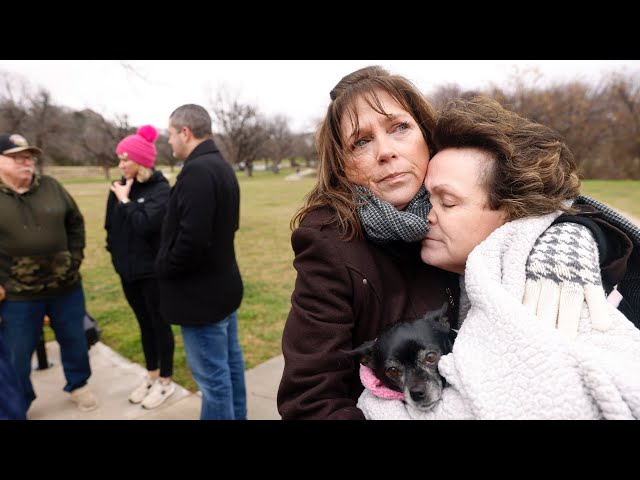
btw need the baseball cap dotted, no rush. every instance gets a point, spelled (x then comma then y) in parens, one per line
(14, 143)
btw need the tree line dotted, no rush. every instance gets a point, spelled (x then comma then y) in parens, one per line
(85, 137)
(600, 123)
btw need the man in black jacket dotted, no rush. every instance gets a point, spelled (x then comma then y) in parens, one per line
(200, 283)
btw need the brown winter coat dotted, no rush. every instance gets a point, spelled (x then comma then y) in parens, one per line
(345, 294)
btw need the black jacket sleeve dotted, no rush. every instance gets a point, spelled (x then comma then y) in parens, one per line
(196, 209)
(112, 202)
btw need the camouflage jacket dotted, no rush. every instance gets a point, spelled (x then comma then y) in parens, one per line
(42, 239)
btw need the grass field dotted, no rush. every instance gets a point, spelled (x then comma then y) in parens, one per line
(263, 250)
(264, 255)
(620, 194)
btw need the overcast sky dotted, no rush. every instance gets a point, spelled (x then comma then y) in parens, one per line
(298, 89)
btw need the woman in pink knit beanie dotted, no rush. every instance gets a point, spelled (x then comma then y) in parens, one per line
(135, 209)
(139, 149)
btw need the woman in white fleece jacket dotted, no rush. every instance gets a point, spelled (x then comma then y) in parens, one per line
(539, 339)
(492, 167)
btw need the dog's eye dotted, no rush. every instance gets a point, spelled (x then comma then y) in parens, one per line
(393, 372)
(431, 357)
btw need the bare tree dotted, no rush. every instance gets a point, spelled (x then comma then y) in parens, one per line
(304, 147)
(131, 70)
(45, 122)
(14, 92)
(601, 123)
(623, 92)
(440, 95)
(165, 153)
(242, 131)
(280, 141)
(99, 137)
(31, 113)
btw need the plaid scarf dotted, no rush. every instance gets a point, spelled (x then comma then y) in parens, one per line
(614, 218)
(384, 223)
(629, 286)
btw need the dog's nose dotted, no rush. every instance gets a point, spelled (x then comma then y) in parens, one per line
(417, 393)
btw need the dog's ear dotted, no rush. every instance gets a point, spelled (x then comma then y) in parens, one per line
(363, 352)
(444, 315)
(444, 321)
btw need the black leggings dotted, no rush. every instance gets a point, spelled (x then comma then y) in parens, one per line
(156, 334)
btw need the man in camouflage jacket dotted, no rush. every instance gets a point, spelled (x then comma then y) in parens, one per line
(42, 239)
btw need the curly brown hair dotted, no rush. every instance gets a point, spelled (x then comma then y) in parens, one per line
(534, 172)
(332, 187)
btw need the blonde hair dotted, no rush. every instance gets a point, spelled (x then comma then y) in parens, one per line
(143, 174)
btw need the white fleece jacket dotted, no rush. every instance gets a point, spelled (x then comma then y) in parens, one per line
(507, 364)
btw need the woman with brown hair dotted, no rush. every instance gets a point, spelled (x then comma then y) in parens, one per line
(357, 241)
(538, 339)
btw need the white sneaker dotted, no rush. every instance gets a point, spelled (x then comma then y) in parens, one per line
(158, 393)
(141, 390)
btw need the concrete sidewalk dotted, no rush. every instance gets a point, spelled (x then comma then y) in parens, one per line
(114, 377)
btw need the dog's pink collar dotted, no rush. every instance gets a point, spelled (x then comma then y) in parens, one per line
(375, 386)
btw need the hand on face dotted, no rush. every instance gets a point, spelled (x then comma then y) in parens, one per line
(460, 217)
(122, 191)
(389, 153)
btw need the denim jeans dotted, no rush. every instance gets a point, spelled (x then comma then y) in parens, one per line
(21, 327)
(215, 358)
(11, 398)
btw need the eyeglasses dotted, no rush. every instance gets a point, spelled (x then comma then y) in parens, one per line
(22, 158)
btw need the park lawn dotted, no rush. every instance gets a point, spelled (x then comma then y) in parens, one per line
(623, 195)
(263, 249)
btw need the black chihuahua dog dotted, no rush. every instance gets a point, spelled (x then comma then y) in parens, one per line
(405, 357)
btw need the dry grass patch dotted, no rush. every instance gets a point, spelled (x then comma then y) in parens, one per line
(264, 255)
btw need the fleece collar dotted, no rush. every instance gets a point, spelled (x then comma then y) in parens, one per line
(375, 386)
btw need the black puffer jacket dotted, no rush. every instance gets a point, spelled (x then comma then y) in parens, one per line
(133, 229)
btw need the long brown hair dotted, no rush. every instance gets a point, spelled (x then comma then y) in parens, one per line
(332, 187)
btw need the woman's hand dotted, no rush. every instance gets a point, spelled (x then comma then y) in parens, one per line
(2, 293)
(563, 270)
(122, 191)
